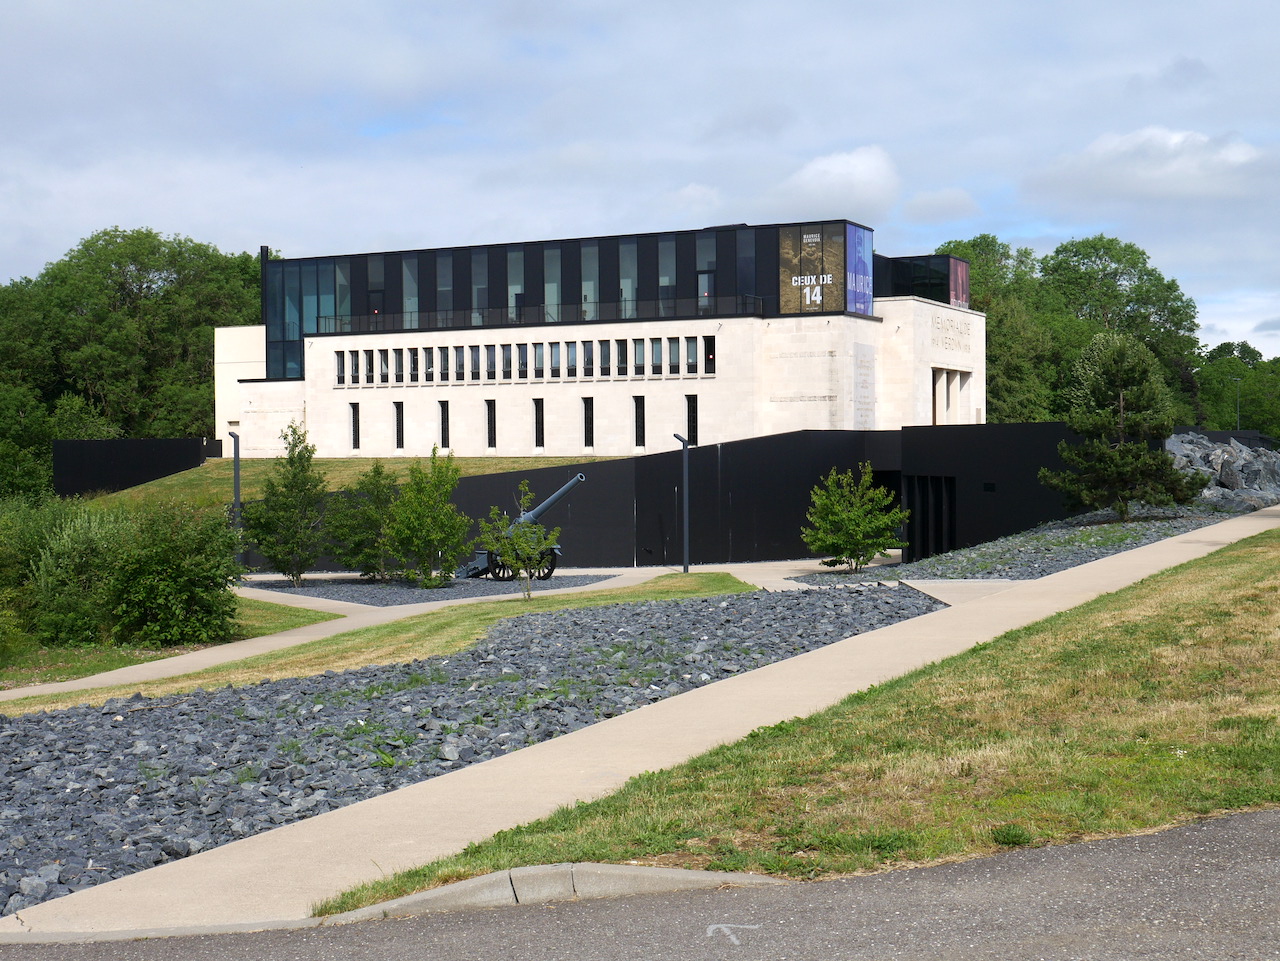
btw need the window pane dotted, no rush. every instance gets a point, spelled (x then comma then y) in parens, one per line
(409, 281)
(551, 284)
(515, 285)
(590, 280)
(628, 279)
(479, 286)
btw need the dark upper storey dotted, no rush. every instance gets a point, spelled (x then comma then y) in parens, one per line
(733, 271)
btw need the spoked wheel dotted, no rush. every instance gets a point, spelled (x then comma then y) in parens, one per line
(546, 566)
(500, 570)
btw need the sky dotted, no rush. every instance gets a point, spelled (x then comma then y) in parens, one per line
(320, 128)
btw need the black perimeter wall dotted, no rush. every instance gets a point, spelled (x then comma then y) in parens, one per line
(100, 466)
(748, 499)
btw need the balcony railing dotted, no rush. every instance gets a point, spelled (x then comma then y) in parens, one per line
(736, 306)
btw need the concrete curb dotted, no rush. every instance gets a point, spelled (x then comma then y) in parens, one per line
(536, 884)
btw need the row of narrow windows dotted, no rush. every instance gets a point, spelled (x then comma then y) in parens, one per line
(538, 422)
(621, 357)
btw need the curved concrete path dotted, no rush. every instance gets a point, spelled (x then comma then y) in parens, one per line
(272, 879)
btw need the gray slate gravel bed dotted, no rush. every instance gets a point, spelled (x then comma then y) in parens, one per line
(91, 794)
(1047, 549)
(394, 594)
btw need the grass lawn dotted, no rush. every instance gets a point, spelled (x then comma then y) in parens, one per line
(43, 665)
(1144, 708)
(211, 483)
(437, 632)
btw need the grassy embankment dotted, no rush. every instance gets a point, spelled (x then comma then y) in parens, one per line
(425, 635)
(1150, 706)
(211, 483)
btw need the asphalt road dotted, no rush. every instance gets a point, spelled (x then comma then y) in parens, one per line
(1205, 891)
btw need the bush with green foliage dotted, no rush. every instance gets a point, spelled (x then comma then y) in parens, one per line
(357, 522)
(519, 549)
(852, 521)
(72, 583)
(152, 576)
(287, 524)
(1123, 411)
(171, 581)
(425, 531)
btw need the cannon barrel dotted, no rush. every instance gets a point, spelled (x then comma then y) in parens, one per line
(531, 516)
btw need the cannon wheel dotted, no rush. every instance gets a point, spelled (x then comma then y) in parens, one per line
(546, 566)
(500, 570)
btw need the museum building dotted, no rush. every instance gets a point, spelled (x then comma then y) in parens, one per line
(602, 345)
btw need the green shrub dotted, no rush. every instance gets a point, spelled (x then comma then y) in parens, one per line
(25, 526)
(853, 520)
(153, 576)
(171, 579)
(70, 590)
(15, 642)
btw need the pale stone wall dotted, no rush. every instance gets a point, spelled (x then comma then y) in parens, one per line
(239, 353)
(771, 376)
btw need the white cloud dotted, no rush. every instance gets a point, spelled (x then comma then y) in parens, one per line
(1156, 162)
(861, 184)
(940, 206)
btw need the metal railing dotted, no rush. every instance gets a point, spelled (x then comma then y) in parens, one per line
(539, 314)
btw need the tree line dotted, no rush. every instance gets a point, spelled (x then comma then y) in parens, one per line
(1042, 313)
(115, 340)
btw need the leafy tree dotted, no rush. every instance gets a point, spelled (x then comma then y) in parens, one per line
(1031, 341)
(1111, 285)
(287, 525)
(357, 522)
(123, 323)
(518, 549)
(1122, 409)
(852, 520)
(425, 531)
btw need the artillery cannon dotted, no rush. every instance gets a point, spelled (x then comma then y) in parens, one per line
(486, 563)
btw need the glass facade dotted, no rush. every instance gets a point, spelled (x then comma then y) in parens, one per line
(735, 271)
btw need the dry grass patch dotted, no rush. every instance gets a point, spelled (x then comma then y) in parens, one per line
(425, 635)
(1144, 708)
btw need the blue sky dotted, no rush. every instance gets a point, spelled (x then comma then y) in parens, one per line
(321, 128)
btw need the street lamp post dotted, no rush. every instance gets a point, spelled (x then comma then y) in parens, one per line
(684, 490)
(1237, 380)
(235, 485)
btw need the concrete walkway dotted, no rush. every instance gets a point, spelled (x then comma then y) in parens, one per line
(273, 879)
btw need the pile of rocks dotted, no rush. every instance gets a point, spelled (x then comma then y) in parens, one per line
(1237, 478)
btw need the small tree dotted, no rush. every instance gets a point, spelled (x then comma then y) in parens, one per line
(287, 525)
(357, 522)
(852, 520)
(522, 550)
(1122, 409)
(425, 531)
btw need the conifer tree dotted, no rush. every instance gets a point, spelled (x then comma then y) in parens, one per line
(1123, 411)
